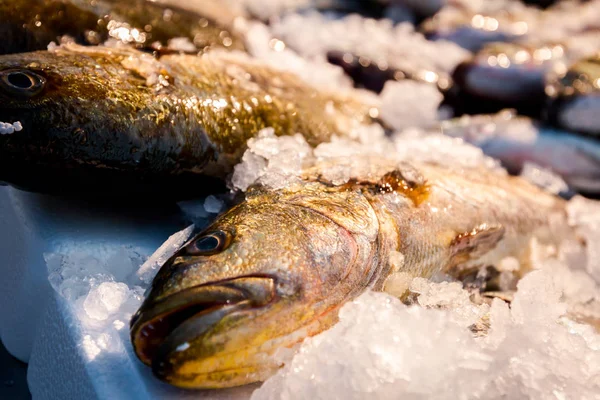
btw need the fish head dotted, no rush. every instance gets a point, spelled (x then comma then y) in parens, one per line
(77, 112)
(267, 274)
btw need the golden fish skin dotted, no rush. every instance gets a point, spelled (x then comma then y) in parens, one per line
(277, 267)
(29, 25)
(97, 117)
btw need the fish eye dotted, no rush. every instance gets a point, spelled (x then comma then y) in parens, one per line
(23, 83)
(210, 243)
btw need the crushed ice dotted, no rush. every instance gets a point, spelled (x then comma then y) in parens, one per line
(6, 128)
(383, 349)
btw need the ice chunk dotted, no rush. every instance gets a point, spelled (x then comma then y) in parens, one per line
(269, 49)
(193, 209)
(400, 108)
(272, 161)
(397, 46)
(106, 299)
(182, 44)
(6, 128)
(449, 295)
(147, 271)
(418, 145)
(213, 205)
(544, 178)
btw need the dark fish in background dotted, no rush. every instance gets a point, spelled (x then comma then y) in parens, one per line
(277, 268)
(471, 30)
(367, 74)
(119, 121)
(421, 8)
(29, 25)
(575, 103)
(505, 75)
(516, 141)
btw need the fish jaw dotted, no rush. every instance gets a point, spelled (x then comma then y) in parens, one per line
(239, 348)
(153, 326)
(223, 334)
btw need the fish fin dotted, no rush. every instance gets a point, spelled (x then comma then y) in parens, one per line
(469, 246)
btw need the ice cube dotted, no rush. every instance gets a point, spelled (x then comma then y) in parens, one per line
(213, 205)
(272, 161)
(106, 299)
(400, 110)
(544, 178)
(147, 271)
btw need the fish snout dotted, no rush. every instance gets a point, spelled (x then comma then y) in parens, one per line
(176, 324)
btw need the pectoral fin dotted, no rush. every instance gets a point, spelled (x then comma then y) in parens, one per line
(467, 247)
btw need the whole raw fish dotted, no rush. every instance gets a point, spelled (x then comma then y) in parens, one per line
(28, 25)
(119, 121)
(277, 267)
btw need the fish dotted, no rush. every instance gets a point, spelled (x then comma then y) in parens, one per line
(575, 97)
(368, 74)
(277, 267)
(31, 25)
(118, 121)
(506, 75)
(517, 140)
(472, 29)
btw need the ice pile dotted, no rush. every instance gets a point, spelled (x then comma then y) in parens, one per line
(383, 349)
(270, 160)
(312, 35)
(7, 128)
(277, 162)
(264, 46)
(398, 109)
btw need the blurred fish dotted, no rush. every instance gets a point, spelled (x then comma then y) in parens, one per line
(506, 75)
(517, 140)
(575, 96)
(472, 30)
(98, 118)
(422, 8)
(367, 74)
(277, 267)
(28, 25)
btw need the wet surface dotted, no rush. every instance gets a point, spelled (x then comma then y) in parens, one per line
(13, 377)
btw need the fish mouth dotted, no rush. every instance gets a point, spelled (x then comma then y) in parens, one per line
(164, 326)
